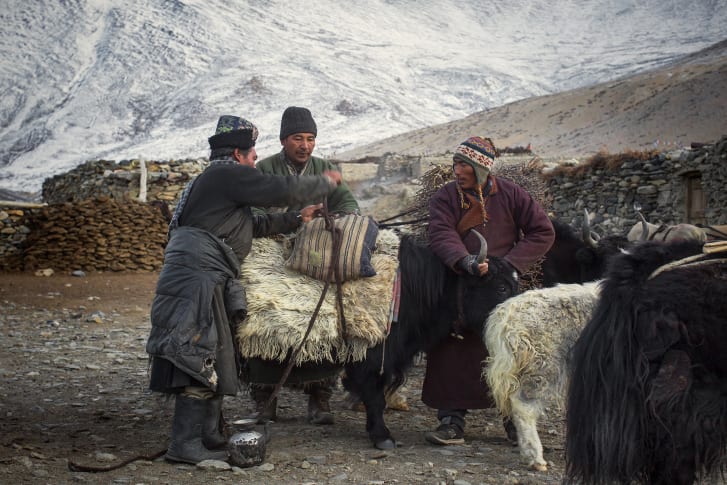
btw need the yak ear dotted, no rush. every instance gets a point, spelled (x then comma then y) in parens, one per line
(483, 247)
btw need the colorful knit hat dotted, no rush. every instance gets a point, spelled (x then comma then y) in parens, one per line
(478, 152)
(297, 120)
(233, 132)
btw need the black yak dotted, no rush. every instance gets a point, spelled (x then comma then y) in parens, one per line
(647, 400)
(575, 258)
(432, 299)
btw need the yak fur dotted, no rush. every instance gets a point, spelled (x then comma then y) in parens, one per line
(430, 303)
(647, 400)
(528, 338)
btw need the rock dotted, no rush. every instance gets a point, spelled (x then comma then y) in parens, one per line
(214, 465)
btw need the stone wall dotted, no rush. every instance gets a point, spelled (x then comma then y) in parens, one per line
(165, 180)
(609, 186)
(92, 219)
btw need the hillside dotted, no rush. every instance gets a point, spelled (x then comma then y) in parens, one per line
(682, 103)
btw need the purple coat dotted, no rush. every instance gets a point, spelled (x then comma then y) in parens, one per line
(454, 367)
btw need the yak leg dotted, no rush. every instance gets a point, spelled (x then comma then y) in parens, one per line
(375, 403)
(525, 416)
(369, 387)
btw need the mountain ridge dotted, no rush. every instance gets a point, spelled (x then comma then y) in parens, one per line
(91, 80)
(682, 102)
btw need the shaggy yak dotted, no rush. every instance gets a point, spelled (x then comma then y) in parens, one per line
(577, 258)
(431, 300)
(528, 338)
(647, 400)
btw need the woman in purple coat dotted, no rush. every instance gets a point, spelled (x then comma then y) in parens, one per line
(517, 229)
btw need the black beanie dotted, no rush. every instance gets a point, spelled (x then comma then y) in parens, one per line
(297, 120)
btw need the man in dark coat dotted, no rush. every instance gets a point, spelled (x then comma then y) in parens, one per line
(517, 229)
(199, 299)
(298, 133)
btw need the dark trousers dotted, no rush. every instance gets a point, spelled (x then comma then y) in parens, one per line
(456, 416)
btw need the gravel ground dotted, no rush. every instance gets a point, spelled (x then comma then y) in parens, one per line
(73, 378)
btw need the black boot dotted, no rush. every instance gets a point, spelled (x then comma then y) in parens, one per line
(449, 432)
(212, 436)
(319, 407)
(261, 395)
(186, 443)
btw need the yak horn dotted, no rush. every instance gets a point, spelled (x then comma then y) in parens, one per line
(644, 227)
(483, 247)
(587, 237)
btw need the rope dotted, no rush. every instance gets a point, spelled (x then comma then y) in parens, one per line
(406, 212)
(75, 467)
(402, 223)
(333, 270)
(713, 229)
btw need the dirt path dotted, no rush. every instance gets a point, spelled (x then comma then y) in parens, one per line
(73, 377)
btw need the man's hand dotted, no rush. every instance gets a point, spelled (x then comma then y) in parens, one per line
(470, 265)
(334, 177)
(309, 212)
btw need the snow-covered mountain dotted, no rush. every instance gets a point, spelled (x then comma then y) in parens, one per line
(90, 79)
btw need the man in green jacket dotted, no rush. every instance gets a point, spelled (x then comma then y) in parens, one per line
(298, 133)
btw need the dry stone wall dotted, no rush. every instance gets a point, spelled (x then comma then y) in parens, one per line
(165, 180)
(660, 184)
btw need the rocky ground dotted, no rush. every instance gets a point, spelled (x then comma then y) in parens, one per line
(73, 377)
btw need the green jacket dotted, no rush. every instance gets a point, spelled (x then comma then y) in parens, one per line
(340, 200)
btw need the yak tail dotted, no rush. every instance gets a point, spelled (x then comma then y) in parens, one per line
(606, 417)
(510, 352)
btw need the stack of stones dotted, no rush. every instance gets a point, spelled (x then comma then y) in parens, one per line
(13, 232)
(93, 220)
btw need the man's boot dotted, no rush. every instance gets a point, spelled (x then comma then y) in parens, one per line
(319, 407)
(261, 395)
(186, 442)
(212, 436)
(449, 432)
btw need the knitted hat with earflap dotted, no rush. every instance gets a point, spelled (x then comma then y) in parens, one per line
(233, 132)
(479, 153)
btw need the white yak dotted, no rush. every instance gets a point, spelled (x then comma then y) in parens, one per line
(528, 338)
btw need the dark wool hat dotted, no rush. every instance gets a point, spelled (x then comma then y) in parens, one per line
(233, 132)
(297, 120)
